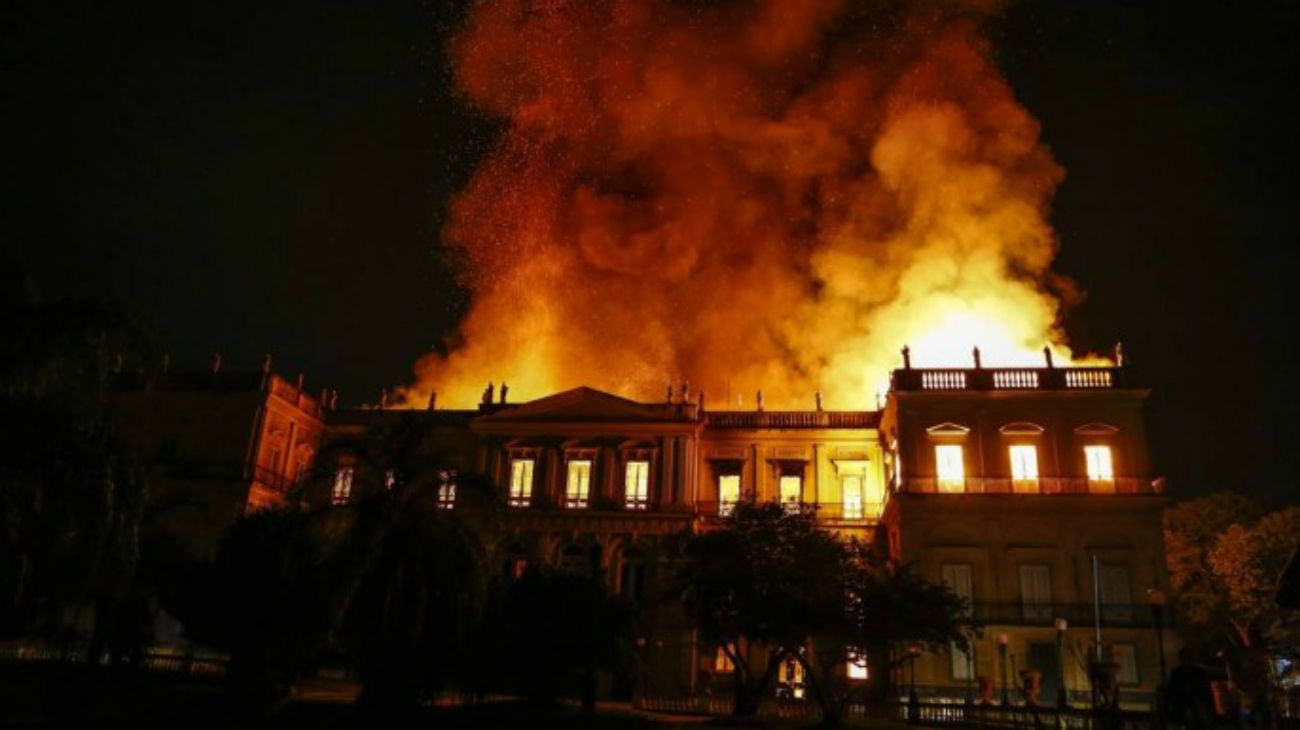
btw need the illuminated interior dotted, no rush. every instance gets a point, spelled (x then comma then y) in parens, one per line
(578, 484)
(949, 468)
(521, 482)
(636, 484)
(1024, 467)
(728, 493)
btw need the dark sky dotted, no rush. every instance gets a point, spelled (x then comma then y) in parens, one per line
(253, 177)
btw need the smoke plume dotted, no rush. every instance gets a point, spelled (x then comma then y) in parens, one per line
(769, 194)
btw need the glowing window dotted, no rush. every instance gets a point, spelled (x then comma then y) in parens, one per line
(789, 678)
(857, 665)
(790, 490)
(1024, 468)
(521, 482)
(950, 469)
(722, 663)
(851, 493)
(446, 489)
(1100, 468)
(579, 484)
(342, 489)
(636, 484)
(728, 493)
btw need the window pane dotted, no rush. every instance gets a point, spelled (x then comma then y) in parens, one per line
(1036, 592)
(949, 467)
(1024, 468)
(1125, 656)
(728, 492)
(851, 493)
(857, 665)
(579, 483)
(791, 491)
(1101, 469)
(636, 484)
(342, 489)
(521, 482)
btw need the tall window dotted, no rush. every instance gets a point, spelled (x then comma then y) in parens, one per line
(342, 489)
(851, 493)
(636, 485)
(578, 485)
(1116, 598)
(722, 663)
(949, 468)
(446, 489)
(791, 491)
(728, 493)
(959, 579)
(1024, 468)
(521, 482)
(1036, 592)
(1125, 658)
(1100, 468)
(857, 665)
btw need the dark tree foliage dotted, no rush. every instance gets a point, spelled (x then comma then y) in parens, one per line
(73, 496)
(768, 584)
(560, 629)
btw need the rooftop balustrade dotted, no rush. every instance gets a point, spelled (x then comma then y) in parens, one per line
(1047, 378)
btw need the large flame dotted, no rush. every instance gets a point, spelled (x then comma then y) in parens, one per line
(774, 195)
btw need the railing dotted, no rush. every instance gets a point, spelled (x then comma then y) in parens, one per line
(954, 713)
(156, 659)
(851, 513)
(1043, 485)
(1136, 615)
(791, 419)
(1080, 378)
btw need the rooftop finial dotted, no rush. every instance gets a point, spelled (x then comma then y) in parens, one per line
(383, 398)
(907, 357)
(216, 362)
(487, 394)
(670, 393)
(334, 399)
(1047, 354)
(302, 378)
(266, 363)
(504, 389)
(1119, 354)
(701, 400)
(433, 400)
(686, 391)
(758, 400)
(976, 353)
(819, 401)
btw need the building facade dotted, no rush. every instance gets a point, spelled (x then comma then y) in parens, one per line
(1028, 491)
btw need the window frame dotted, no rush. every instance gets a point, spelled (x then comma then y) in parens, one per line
(520, 490)
(580, 467)
(638, 499)
(950, 483)
(1028, 481)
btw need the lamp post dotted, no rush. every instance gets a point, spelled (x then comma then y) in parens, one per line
(1062, 695)
(970, 667)
(1002, 660)
(913, 699)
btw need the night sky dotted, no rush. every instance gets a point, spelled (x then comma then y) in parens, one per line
(254, 177)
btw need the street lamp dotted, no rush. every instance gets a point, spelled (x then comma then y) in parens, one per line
(913, 700)
(1062, 696)
(1002, 660)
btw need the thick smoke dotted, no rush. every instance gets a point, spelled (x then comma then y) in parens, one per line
(771, 194)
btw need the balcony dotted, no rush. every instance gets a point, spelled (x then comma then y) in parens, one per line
(950, 379)
(1078, 615)
(1044, 485)
(850, 514)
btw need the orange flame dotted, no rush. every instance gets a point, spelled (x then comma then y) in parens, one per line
(750, 195)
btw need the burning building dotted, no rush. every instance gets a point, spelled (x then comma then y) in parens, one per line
(1028, 490)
